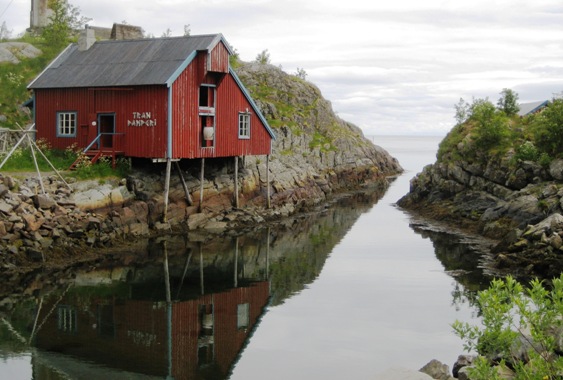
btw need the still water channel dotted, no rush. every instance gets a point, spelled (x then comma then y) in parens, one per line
(345, 292)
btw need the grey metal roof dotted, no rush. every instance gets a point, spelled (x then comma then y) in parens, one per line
(529, 108)
(123, 63)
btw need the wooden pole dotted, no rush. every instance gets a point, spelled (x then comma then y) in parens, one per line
(36, 165)
(25, 131)
(268, 180)
(202, 283)
(184, 185)
(167, 188)
(236, 263)
(15, 147)
(200, 208)
(236, 182)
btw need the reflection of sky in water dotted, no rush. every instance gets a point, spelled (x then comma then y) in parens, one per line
(16, 367)
(382, 299)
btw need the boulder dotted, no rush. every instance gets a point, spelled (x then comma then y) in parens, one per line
(437, 370)
(556, 169)
(43, 202)
(402, 374)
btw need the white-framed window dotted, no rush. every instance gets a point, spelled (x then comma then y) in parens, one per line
(244, 125)
(66, 124)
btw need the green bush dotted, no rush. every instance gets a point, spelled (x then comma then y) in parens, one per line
(527, 151)
(547, 129)
(520, 326)
(492, 125)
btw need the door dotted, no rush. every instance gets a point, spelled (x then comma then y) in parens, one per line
(106, 127)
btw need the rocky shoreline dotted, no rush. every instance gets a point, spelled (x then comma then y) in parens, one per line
(38, 228)
(519, 206)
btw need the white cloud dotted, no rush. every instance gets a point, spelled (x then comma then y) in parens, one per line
(389, 67)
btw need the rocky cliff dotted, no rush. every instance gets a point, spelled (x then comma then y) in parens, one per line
(315, 155)
(517, 203)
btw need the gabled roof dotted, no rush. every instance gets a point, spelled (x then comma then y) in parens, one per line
(530, 108)
(124, 63)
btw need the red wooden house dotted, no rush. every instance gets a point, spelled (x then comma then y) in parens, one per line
(161, 98)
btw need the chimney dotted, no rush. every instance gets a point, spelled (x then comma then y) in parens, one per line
(86, 39)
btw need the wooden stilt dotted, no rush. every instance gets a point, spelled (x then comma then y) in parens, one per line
(268, 180)
(167, 188)
(200, 208)
(236, 183)
(202, 283)
(184, 185)
(166, 273)
(268, 255)
(236, 263)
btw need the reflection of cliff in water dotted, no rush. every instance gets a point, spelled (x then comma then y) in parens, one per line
(180, 306)
(465, 258)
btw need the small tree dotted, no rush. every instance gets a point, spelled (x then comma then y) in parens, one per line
(63, 23)
(508, 102)
(187, 30)
(5, 33)
(462, 111)
(492, 126)
(301, 73)
(521, 328)
(263, 58)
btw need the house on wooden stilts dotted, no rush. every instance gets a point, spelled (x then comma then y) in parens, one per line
(164, 99)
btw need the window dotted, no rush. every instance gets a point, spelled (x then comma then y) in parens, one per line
(66, 320)
(244, 125)
(243, 315)
(66, 124)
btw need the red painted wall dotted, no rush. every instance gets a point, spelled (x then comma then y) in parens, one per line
(138, 134)
(229, 101)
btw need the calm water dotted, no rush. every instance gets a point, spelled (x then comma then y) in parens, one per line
(348, 291)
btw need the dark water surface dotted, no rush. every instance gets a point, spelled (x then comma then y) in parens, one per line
(345, 292)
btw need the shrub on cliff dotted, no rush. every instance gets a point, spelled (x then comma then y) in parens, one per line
(522, 329)
(491, 124)
(547, 129)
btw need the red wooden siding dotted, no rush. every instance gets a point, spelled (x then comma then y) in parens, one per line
(229, 101)
(141, 114)
(140, 117)
(219, 61)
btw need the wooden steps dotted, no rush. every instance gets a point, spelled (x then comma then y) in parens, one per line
(95, 154)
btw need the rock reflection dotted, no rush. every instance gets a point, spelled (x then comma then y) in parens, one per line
(180, 307)
(465, 258)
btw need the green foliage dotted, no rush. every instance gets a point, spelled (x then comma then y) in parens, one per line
(512, 316)
(527, 151)
(462, 111)
(321, 141)
(547, 129)
(15, 78)
(63, 23)
(492, 126)
(301, 73)
(508, 102)
(22, 159)
(263, 58)
(101, 169)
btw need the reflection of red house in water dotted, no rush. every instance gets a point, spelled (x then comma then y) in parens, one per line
(185, 339)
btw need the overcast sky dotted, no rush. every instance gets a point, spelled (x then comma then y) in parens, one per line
(390, 67)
